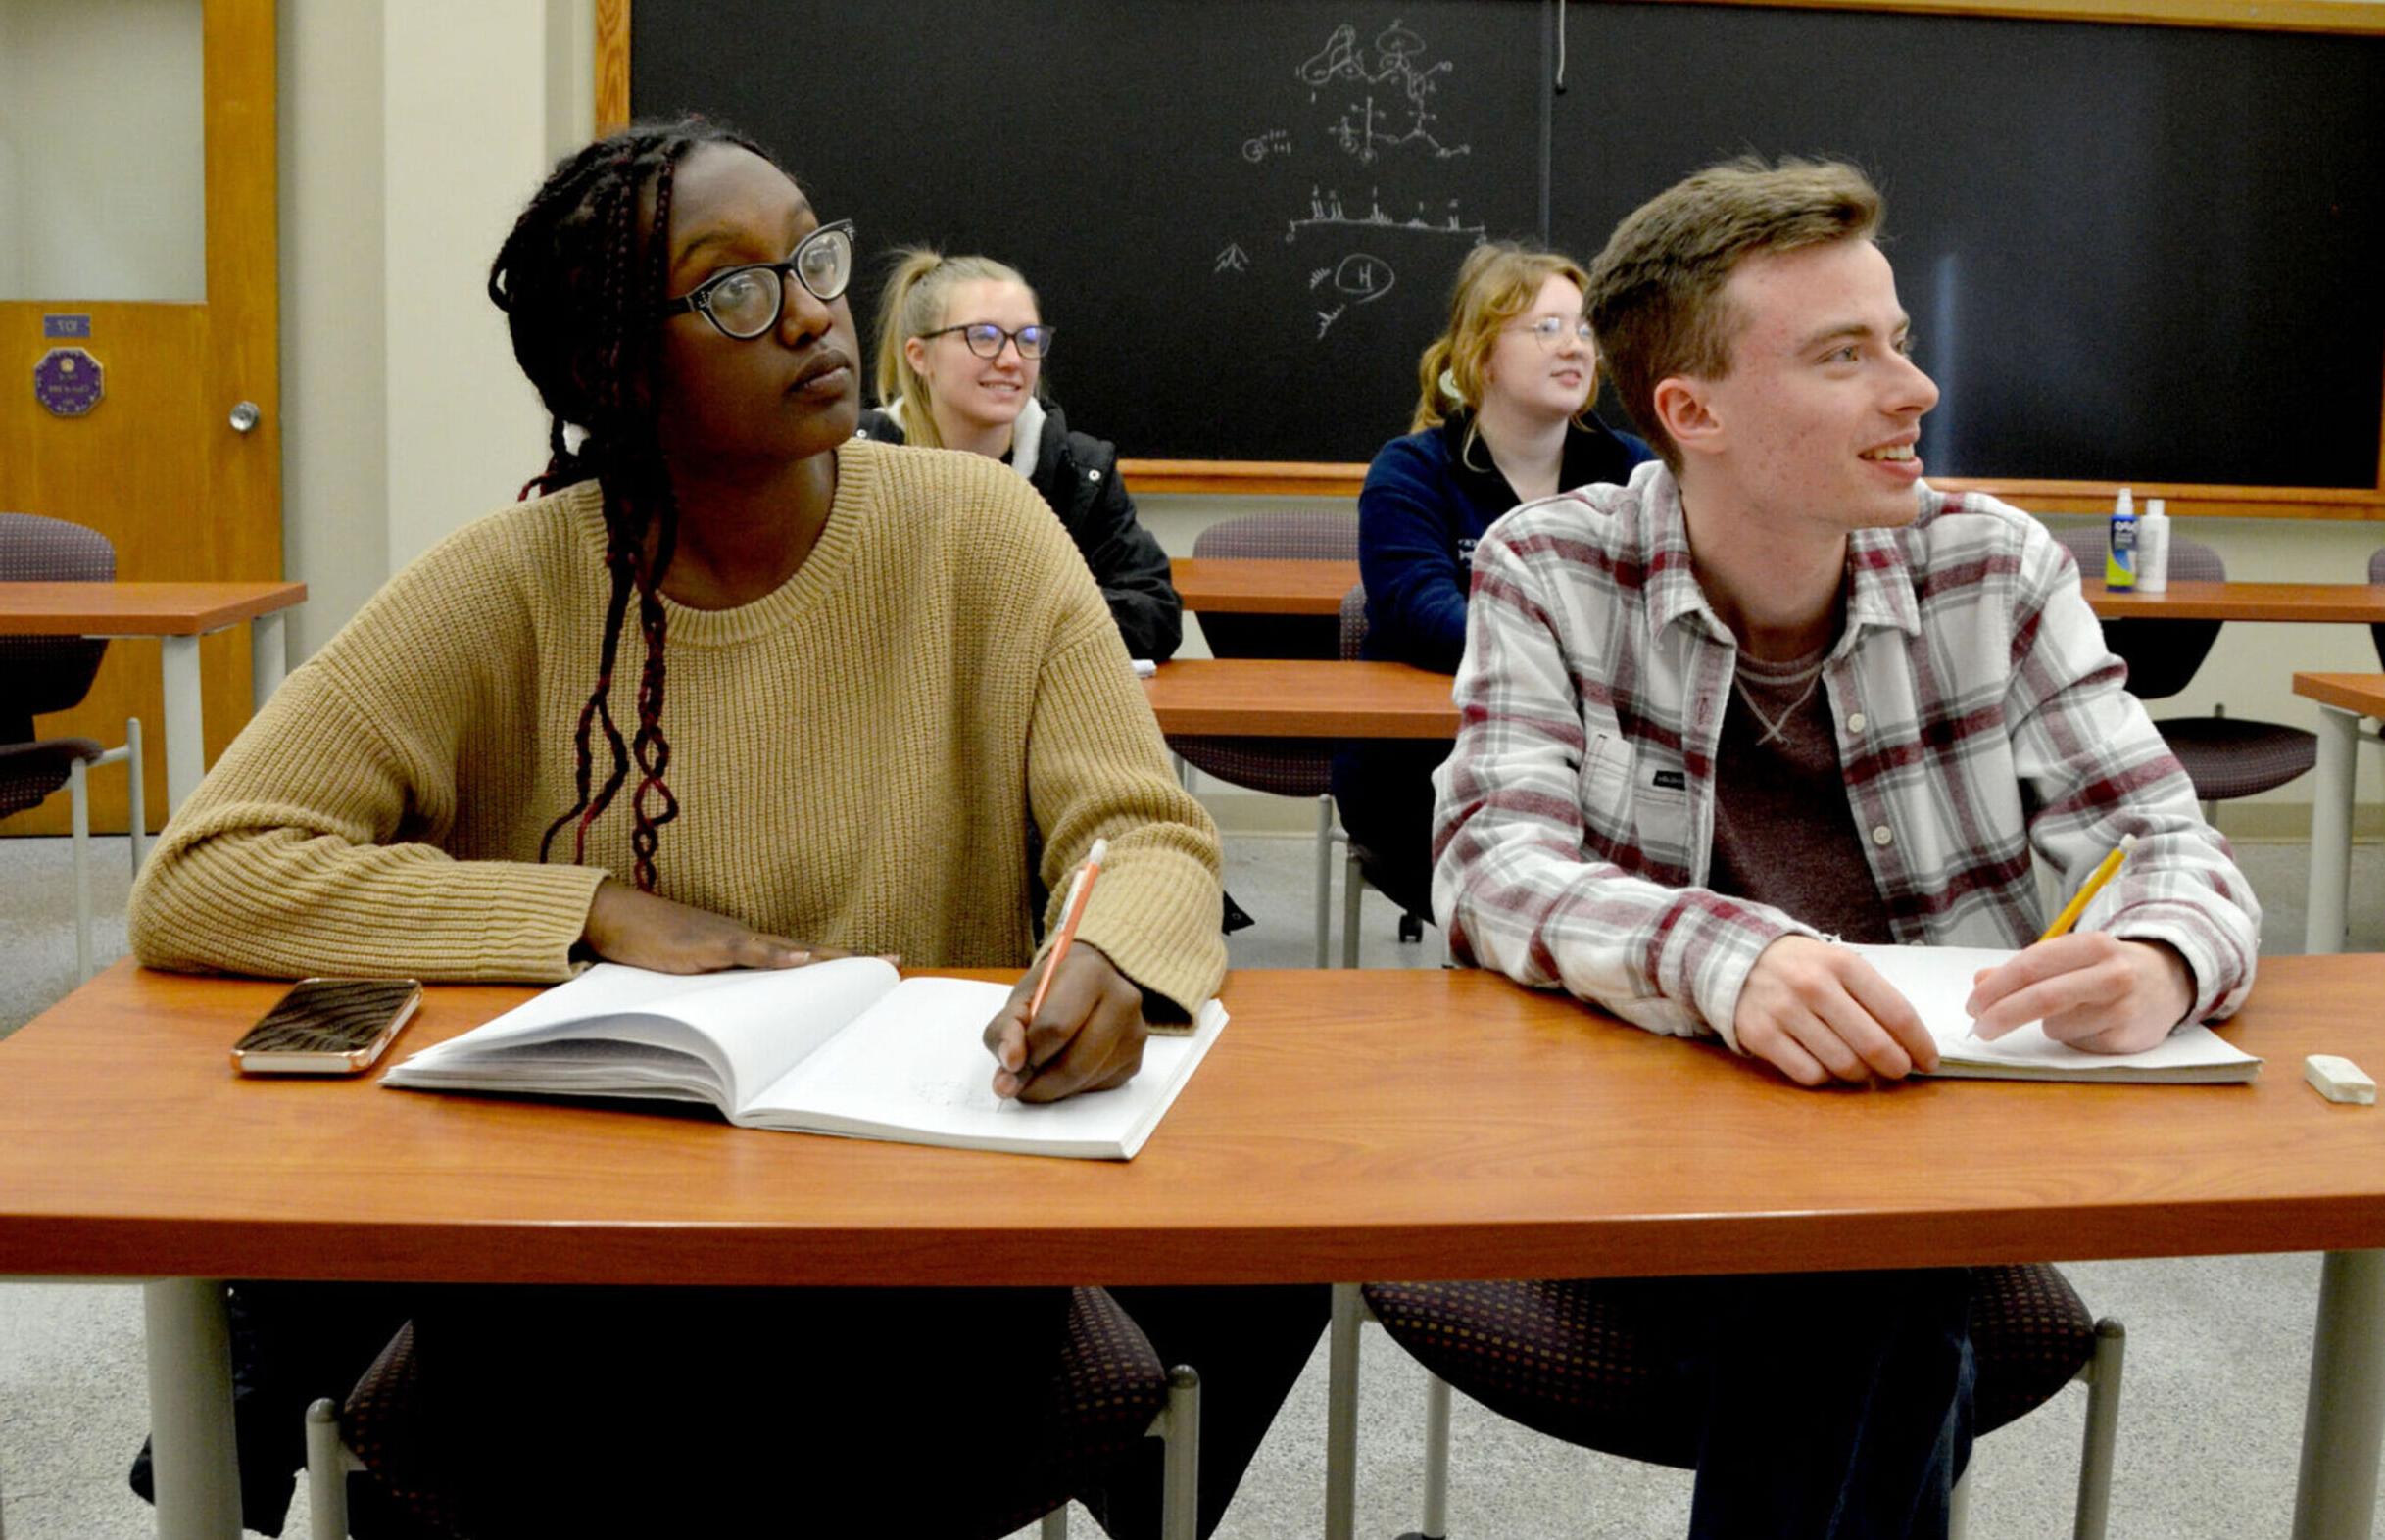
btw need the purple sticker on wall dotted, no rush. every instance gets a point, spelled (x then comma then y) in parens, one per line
(66, 326)
(66, 381)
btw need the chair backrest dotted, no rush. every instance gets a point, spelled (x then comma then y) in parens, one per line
(1306, 537)
(1353, 621)
(2376, 574)
(2162, 654)
(42, 674)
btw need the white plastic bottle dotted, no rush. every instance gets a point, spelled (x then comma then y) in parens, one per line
(2119, 557)
(2153, 548)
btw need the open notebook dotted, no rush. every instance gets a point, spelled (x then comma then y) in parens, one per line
(1937, 980)
(846, 1047)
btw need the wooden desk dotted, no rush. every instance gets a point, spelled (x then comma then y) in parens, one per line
(1331, 1136)
(177, 614)
(1299, 697)
(1238, 586)
(2343, 700)
(2307, 603)
(1247, 585)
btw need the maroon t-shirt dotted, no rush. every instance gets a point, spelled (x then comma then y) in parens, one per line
(1784, 833)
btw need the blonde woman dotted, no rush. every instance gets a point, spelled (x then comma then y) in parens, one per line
(961, 346)
(1503, 417)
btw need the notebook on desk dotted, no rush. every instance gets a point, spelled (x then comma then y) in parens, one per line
(1937, 980)
(846, 1047)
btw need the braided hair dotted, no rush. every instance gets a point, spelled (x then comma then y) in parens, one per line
(578, 283)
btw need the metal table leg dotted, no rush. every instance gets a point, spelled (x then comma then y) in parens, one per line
(190, 1409)
(2331, 831)
(2343, 1424)
(185, 730)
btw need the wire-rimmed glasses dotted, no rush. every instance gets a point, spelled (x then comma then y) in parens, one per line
(1549, 330)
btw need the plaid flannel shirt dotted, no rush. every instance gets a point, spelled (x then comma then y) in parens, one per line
(1978, 715)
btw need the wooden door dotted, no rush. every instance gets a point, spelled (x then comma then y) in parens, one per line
(157, 464)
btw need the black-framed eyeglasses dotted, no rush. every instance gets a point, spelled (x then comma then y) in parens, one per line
(1549, 330)
(984, 339)
(745, 301)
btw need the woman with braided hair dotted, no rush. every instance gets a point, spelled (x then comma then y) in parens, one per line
(871, 695)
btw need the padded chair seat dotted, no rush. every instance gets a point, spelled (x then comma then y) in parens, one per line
(1108, 1388)
(380, 1423)
(1561, 1359)
(30, 772)
(1111, 1386)
(2228, 757)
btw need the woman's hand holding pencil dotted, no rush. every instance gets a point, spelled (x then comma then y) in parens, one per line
(1074, 1022)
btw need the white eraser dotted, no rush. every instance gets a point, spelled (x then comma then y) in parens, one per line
(2338, 1078)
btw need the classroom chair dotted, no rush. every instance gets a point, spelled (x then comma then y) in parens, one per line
(1298, 767)
(45, 674)
(1553, 1355)
(1357, 873)
(2376, 574)
(1109, 1393)
(2224, 756)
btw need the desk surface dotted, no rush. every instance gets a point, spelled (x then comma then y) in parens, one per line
(1299, 697)
(2362, 694)
(1236, 586)
(139, 610)
(1246, 586)
(1394, 1123)
(2363, 602)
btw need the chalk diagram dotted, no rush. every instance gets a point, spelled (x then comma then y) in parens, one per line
(1366, 128)
(1360, 277)
(1326, 208)
(1382, 102)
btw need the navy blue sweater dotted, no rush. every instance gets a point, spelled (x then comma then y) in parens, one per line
(1420, 513)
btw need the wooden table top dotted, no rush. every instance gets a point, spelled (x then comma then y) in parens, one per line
(139, 610)
(1299, 697)
(2315, 602)
(1239, 586)
(1348, 1125)
(1236, 585)
(2363, 695)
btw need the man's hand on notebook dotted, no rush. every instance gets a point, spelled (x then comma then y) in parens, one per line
(2092, 990)
(1088, 1036)
(1818, 1012)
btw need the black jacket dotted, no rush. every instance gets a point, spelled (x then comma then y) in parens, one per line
(1077, 475)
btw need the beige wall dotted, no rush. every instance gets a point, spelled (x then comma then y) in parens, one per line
(412, 133)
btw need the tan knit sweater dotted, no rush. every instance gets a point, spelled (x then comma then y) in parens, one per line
(862, 757)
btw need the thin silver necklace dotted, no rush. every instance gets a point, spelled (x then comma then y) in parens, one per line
(1775, 729)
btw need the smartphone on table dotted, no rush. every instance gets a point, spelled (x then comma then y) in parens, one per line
(328, 1026)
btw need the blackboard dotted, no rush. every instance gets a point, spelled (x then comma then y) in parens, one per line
(2132, 252)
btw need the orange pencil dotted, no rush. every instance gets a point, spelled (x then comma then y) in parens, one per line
(1077, 892)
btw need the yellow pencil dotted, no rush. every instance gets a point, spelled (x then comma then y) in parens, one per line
(2085, 895)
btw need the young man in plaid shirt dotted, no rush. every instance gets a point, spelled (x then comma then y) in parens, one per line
(1776, 693)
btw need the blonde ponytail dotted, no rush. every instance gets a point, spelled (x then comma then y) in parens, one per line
(912, 305)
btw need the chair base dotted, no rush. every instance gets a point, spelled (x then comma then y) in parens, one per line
(330, 1462)
(2100, 1373)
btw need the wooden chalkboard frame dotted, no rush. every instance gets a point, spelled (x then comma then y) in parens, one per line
(1273, 477)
